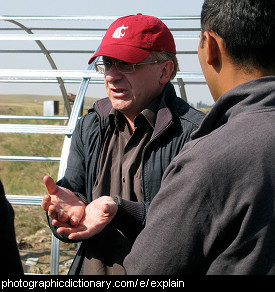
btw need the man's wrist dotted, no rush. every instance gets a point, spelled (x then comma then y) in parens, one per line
(82, 198)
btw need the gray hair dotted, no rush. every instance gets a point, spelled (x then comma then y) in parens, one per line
(165, 56)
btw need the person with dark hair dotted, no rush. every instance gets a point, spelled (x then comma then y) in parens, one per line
(121, 148)
(215, 211)
(9, 249)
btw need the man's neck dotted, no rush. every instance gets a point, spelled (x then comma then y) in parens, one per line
(236, 76)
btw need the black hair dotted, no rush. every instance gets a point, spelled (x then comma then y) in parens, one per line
(247, 28)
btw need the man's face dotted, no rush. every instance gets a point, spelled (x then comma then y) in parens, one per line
(130, 93)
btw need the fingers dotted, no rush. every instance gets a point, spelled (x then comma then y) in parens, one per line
(81, 235)
(46, 201)
(56, 213)
(50, 185)
(74, 233)
(52, 212)
(106, 208)
(107, 205)
(64, 219)
(57, 223)
(74, 221)
(67, 230)
(79, 232)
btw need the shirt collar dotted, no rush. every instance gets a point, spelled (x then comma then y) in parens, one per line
(149, 113)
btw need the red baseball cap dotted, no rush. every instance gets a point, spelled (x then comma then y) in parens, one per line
(132, 38)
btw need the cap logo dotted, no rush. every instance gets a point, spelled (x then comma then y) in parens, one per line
(119, 32)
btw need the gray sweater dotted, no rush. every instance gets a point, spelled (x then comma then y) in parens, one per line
(215, 211)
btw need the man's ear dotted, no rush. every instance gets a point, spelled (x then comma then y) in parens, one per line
(167, 70)
(212, 45)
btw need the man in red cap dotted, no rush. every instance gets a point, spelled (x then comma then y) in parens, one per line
(121, 147)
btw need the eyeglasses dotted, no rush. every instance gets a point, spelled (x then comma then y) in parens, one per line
(122, 67)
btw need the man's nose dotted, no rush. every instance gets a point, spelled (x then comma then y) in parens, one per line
(113, 73)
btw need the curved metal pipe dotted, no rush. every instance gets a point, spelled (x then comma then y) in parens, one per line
(51, 61)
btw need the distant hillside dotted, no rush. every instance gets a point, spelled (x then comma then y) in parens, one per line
(23, 98)
(14, 103)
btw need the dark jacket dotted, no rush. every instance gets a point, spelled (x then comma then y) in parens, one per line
(10, 256)
(175, 122)
(215, 211)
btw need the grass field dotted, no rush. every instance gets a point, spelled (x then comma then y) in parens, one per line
(25, 178)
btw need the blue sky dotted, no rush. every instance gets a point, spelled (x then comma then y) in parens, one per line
(100, 7)
(94, 8)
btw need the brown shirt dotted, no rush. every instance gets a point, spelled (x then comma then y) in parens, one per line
(119, 174)
(120, 166)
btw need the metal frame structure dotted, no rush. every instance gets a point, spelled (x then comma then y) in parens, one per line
(61, 77)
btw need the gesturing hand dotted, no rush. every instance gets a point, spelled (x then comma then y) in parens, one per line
(97, 215)
(61, 203)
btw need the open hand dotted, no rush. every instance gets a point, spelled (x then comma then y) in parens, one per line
(97, 215)
(62, 204)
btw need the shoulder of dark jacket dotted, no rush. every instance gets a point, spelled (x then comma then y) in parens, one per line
(180, 107)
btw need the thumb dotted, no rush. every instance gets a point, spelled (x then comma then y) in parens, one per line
(50, 185)
(109, 208)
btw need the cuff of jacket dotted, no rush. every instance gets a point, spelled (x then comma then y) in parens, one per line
(82, 198)
(130, 217)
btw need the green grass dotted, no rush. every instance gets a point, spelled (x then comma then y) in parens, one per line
(25, 178)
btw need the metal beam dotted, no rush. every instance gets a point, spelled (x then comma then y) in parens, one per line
(52, 63)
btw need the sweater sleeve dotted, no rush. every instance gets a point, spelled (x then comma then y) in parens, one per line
(130, 218)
